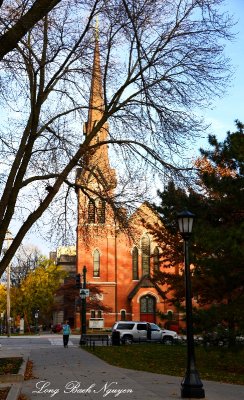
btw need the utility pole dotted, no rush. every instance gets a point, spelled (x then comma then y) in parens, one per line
(8, 239)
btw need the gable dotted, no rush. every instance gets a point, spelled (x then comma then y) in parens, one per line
(146, 282)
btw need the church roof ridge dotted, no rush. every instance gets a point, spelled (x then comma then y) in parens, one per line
(139, 210)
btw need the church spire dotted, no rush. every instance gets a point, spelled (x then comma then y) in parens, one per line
(96, 103)
(98, 161)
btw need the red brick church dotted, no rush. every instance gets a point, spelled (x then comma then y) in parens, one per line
(120, 262)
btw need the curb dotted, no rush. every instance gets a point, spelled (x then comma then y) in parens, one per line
(14, 381)
(19, 377)
(14, 391)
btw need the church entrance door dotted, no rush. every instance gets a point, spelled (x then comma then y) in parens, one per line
(148, 308)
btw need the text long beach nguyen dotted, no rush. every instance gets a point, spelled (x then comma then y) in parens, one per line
(74, 387)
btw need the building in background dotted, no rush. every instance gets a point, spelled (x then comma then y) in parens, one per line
(119, 261)
(65, 257)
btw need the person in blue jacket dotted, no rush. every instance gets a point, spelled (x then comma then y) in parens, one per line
(66, 332)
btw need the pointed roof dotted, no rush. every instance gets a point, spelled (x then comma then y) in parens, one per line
(96, 103)
(99, 172)
(146, 281)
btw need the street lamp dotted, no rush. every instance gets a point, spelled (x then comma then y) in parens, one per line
(191, 386)
(8, 239)
(83, 308)
(36, 320)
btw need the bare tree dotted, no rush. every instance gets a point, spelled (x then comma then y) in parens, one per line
(19, 23)
(25, 260)
(160, 60)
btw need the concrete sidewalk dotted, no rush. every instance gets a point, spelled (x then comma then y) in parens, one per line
(72, 374)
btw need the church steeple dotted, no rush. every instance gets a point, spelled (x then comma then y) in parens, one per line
(96, 103)
(98, 172)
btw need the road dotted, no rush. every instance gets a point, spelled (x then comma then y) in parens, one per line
(36, 341)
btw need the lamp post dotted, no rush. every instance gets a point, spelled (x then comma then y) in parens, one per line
(191, 386)
(83, 308)
(36, 320)
(8, 239)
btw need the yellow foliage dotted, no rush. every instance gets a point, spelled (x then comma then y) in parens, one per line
(37, 290)
(3, 298)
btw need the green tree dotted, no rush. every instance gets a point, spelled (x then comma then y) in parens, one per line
(36, 292)
(217, 243)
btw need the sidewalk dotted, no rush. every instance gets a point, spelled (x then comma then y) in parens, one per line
(73, 374)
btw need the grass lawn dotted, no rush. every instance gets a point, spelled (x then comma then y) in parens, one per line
(216, 364)
(10, 365)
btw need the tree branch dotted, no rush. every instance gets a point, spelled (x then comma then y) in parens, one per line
(10, 39)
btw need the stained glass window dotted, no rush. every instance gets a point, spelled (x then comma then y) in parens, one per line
(156, 259)
(91, 212)
(135, 263)
(145, 247)
(101, 211)
(96, 263)
(123, 315)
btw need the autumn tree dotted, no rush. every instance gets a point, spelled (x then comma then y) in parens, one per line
(217, 248)
(67, 296)
(3, 299)
(159, 61)
(37, 291)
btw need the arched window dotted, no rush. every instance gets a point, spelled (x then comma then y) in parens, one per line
(96, 263)
(135, 263)
(101, 211)
(122, 315)
(156, 259)
(145, 249)
(91, 212)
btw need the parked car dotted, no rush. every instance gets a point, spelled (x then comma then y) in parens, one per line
(57, 328)
(221, 338)
(137, 331)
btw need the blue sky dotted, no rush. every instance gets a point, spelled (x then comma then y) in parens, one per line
(230, 107)
(226, 109)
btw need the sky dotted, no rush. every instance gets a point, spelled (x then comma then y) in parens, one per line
(226, 109)
(230, 107)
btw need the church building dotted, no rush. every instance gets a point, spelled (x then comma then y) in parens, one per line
(119, 261)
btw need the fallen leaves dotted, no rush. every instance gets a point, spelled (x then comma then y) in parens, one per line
(29, 372)
(4, 393)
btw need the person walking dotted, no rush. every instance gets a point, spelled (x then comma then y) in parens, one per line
(66, 332)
